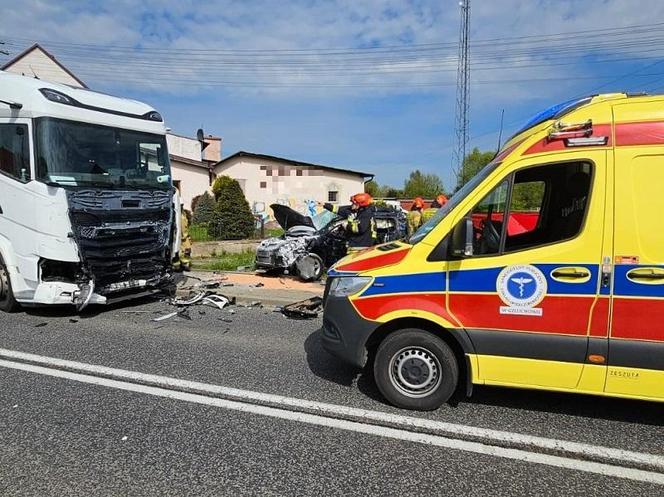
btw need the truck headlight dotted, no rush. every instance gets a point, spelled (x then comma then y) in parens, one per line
(343, 286)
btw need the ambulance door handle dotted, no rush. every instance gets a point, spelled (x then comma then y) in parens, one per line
(647, 275)
(571, 274)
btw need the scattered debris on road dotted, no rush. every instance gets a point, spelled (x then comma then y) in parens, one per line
(41, 325)
(165, 317)
(305, 309)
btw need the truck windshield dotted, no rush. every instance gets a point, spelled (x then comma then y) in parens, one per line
(426, 228)
(71, 153)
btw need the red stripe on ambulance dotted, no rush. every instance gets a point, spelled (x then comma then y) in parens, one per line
(643, 133)
(385, 259)
(638, 319)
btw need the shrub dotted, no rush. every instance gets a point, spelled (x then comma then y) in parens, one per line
(194, 202)
(232, 218)
(204, 209)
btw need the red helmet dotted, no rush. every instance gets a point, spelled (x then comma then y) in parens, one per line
(419, 203)
(441, 199)
(362, 199)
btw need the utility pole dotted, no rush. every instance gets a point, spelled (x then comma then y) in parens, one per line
(462, 93)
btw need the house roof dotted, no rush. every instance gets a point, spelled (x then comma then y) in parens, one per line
(190, 162)
(290, 162)
(37, 46)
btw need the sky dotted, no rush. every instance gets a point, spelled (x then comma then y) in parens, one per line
(367, 85)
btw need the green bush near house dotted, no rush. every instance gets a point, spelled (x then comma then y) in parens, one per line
(204, 209)
(232, 218)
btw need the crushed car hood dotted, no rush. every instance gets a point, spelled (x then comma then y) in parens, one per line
(288, 218)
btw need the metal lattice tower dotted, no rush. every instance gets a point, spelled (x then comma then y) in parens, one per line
(462, 93)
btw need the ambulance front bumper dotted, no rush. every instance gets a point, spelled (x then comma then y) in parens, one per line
(345, 332)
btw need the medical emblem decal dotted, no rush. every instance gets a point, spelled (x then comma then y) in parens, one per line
(521, 288)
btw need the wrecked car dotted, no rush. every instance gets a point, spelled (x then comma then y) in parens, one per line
(87, 210)
(311, 244)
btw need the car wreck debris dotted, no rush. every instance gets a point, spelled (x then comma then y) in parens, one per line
(305, 309)
(310, 244)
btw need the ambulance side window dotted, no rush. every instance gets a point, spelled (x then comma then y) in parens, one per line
(542, 205)
(488, 220)
(548, 204)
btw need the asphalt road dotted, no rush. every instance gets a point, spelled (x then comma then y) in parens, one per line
(63, 437)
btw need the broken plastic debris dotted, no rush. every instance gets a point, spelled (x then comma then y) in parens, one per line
(305, 309)
(191, 301)
(218, 301)
(165, 316)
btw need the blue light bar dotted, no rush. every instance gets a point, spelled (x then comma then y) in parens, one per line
(554, 112)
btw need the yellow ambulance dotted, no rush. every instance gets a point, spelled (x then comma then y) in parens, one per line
(545, 271)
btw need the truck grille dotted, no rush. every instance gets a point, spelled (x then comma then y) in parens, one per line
(122, 245)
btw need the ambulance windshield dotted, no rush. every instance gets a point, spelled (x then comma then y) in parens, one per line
(426, 228)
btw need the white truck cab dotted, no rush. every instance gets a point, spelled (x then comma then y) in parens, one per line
(86, 196)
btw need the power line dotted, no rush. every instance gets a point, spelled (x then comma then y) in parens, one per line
(616, 30)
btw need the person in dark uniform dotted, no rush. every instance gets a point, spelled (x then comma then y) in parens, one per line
(360, 223)
(439, 202)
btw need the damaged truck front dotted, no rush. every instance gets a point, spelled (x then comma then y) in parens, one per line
(87, 210)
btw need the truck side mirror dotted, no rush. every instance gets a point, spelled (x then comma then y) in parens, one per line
(462, 239)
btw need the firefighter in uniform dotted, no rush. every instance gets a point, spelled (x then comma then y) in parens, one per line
(414, 217)
(360, 223)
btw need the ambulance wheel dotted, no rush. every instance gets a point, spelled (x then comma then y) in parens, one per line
(416, 370)
(7, 301)
(310, 267)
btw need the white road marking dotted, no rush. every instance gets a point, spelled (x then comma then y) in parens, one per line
(352, 419)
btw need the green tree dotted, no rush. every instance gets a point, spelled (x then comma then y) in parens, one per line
(232, 218)
(472, 164)
(372, 188)
(391, 192)
(204, 209)
(420, 184)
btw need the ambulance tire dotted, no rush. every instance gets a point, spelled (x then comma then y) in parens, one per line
(7, 301)
(415, 369)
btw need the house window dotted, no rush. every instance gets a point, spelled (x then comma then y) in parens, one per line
(263, 184)
(332, 196)
(282, 171)
(298, 172)
(268, 172)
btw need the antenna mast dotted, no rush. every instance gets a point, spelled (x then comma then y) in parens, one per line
(462, 93)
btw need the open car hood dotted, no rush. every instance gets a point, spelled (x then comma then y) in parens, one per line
(288, 218)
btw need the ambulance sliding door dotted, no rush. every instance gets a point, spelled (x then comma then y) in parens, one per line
(636, 344)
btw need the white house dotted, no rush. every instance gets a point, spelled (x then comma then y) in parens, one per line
(266, 180)
(36, 62)
(191, 168)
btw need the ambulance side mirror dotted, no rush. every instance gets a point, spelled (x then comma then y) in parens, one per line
(462, 239)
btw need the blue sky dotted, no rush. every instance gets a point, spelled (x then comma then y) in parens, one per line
(260, 73)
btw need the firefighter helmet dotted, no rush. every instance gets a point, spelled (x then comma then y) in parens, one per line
(362, 199)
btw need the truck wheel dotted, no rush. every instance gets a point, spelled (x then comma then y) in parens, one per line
(416, 370)
(310, 267)
(7, 301)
